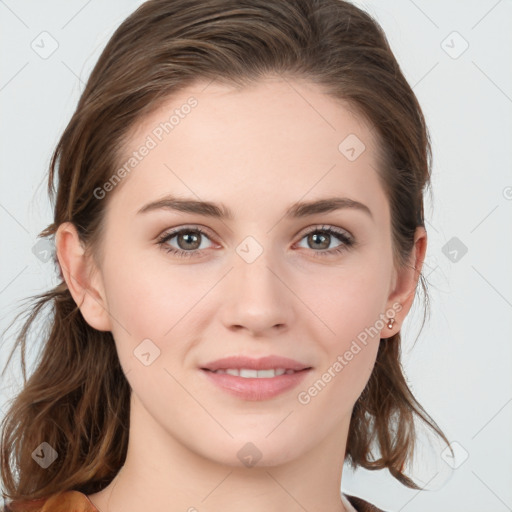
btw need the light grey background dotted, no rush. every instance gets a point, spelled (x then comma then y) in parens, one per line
(460, 366)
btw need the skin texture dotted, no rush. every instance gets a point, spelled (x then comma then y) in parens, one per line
(257, 150)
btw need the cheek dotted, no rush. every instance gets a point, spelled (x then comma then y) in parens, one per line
(347, 327)
(346, 303)
(147, 299)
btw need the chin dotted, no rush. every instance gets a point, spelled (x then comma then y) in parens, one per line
(247, 453)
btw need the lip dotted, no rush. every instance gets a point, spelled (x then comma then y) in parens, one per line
(262, 363)
(255, 389)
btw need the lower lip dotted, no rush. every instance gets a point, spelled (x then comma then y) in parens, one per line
(253, 388)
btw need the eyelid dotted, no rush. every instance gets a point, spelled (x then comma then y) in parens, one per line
(320, 227)
(192, 227)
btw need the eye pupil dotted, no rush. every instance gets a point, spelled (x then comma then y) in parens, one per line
(316, 236)
(188, 238)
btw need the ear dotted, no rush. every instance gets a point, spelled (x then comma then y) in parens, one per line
(405, 282)
(82, 277)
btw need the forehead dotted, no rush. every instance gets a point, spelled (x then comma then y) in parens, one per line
(276, 140)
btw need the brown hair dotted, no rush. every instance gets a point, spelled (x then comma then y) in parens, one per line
(77, 399)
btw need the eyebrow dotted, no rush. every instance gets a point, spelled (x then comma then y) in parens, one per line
(220, 211)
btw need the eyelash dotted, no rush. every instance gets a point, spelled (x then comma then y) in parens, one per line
(348, 242)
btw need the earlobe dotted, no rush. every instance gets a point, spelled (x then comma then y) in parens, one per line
(406, 281)
(81, 276)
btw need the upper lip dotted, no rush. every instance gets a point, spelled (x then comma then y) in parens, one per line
(263, 363)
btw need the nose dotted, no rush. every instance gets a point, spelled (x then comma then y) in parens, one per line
(256, 297)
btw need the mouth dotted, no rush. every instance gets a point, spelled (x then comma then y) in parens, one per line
(249, 373)
(255, 379)
(244, 364)
(255, 385)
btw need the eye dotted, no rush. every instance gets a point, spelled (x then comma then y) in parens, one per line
(322, 236)
(189, 241)
(188, 238)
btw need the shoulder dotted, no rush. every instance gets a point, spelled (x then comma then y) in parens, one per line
(361, 505)
(59, 502)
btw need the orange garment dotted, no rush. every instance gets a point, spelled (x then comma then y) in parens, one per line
(75, 501)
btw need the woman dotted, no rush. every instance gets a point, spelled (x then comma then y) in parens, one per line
(239, 233)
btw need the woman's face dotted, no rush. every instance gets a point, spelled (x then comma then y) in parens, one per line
(265, 281)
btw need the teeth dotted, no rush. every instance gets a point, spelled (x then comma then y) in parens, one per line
(255, 374)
